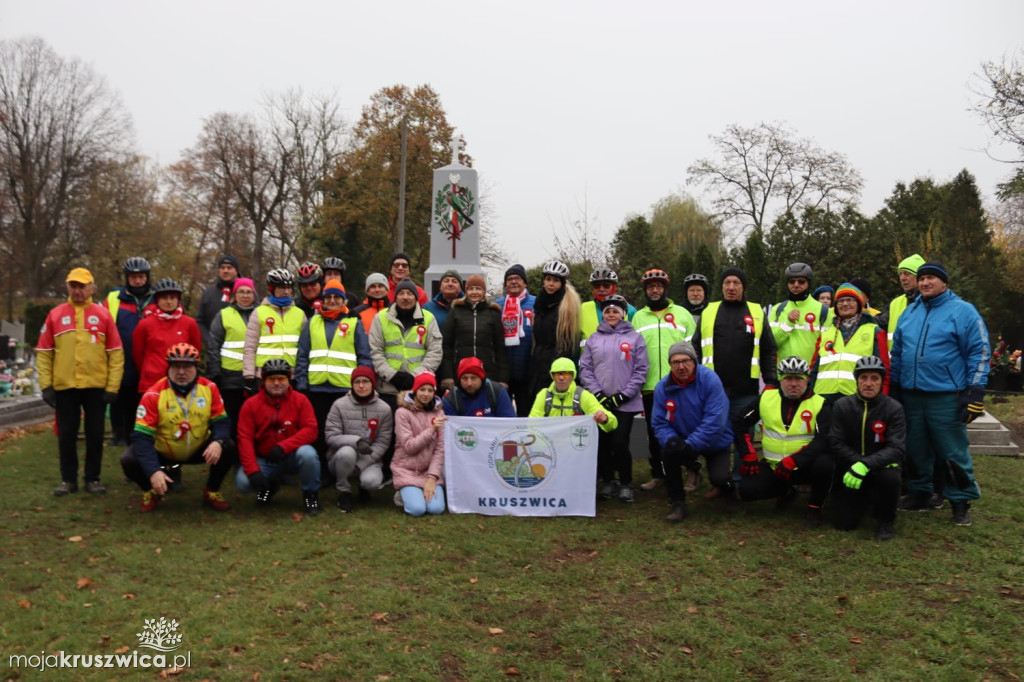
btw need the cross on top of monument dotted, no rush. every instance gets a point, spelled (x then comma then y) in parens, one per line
(457, 145)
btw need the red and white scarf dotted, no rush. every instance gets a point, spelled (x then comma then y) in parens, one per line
(512, 319)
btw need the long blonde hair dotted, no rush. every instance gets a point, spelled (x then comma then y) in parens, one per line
(567, 331)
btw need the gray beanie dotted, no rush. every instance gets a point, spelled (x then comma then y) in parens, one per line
(682, 348)
(375, 278)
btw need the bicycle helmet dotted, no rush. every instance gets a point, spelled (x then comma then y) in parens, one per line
(334, 263)
(183, 352)
(165, 285)
(309, 272)
(799, 270)
(696, 278)
(279, 277)
(615, 300)
(869, 363)
(793, 365)
(556, 268)
(275, 366)
(655, 275)
(604, 275)
(136, 265)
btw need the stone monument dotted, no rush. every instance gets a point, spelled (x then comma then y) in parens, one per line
(454, 228)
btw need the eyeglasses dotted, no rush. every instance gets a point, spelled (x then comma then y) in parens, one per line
(399, 265)
(680, 363)
(561, 374)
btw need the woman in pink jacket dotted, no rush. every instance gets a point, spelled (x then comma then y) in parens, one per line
(419, 448)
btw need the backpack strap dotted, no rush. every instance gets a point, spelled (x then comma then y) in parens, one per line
(577, 403)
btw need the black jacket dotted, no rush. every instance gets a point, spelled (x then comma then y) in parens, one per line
(214, 298)
(474, 331)
(870, 431)
(734, 346)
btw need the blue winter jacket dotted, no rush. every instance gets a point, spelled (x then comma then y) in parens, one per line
(699, 410)
(519, 356)
(941, 344)
(480, 404)
(439, 307)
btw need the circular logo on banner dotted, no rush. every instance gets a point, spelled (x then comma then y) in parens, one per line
(522, 459)
(466, 438)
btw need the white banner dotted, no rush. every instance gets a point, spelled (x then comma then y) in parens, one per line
(543, 466)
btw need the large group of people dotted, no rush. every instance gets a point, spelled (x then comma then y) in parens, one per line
(854, 404)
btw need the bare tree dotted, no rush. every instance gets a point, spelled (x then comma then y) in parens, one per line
(1001, 88)
(59, 125)
(765, 171)
(580, 239)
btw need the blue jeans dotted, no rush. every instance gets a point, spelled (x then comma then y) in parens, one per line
(937, 437)
(303, 461)
(416, 505)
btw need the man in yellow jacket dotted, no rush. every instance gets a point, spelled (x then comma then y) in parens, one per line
(80, 363)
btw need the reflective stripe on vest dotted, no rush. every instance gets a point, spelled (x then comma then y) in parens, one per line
(836, 359)
(234, 339)
(408, 349)
(707, 336)
(799, 338)
(776, 440)
(577, 407)
(281, 339)
(896, 308)
(334, 363)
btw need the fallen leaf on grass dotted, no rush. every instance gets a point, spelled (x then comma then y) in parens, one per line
(170, 672)
(158, 550)
(25, 604)
(122, 649)
(856, 640)
(380, 617)
(495, 631)
(512, 670)
(593, 554)
(473, 581)
(691, 609)
(686, 650)
(307, 666)
(532, 635)
(127, 595)
(297, 516)
(842, 597)
(82, 583)
(495, 649)
(75, 538)
(741, 543)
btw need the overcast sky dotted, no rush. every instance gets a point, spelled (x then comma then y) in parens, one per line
(563, 103)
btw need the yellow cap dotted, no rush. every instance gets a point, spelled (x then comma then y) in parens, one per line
(80, 275)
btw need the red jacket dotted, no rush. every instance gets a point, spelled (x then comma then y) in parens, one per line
(265, 422)
(151, 339)
(421, 297)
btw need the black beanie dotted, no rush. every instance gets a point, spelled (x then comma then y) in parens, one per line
(402, 256)
(736, 272)
(228, 259)
(516, 269)
(863, 285)
(406, 284)
(934, 267)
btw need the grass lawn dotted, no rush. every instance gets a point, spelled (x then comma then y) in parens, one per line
(376, 595)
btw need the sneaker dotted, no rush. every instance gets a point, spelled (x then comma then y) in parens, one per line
(65, 488)
(345, 503)
(678, 512)
(364, 496)
(785, 501)
(398, 500)
(312, 503)
(214, 500)
(610, 490)
(920, 503)
(95, 487)
(693, 480)
(149, 501)
(652, 484)
(812, 517)
(961, 513)
(264, 496)
(886, 531)
(626, 492)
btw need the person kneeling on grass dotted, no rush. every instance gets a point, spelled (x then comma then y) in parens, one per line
(691, 419)
(476, 395)
(276, 432)
(180, 420)
(794, 442)
(419, 448)
(563, 398)
(358, 432)
(868, 438)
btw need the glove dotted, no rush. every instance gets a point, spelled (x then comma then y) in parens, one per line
(750, 417)
(258, 481)
(363, 447)
(50, 396)
(601, 398)
(749, 466)
(784, 469)
(402, 381)
(972, 403)
(109, 397)
(673, 447)
(853, 478)
(276, 454)
(251, 386)
(616, 400)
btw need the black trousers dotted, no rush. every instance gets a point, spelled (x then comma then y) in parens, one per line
(519, 391)
(233, 398)
(122, 412)
(880, 490)
(133, 469)
(657, 468)
(766, 485)
(718, 472)
(613, 450)
(71, 404)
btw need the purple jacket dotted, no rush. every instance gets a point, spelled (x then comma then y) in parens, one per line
(608, 366)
